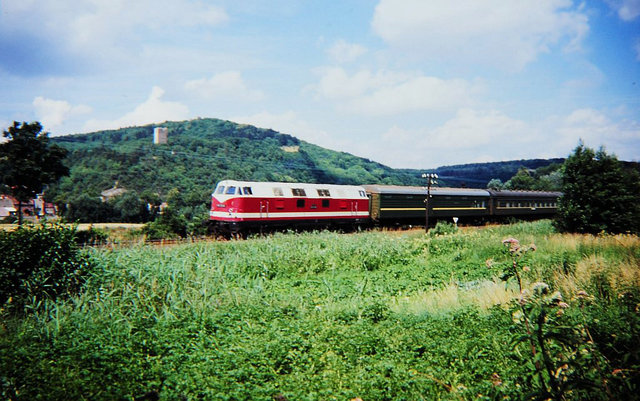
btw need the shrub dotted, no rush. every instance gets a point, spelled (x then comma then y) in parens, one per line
(443, 228)
(40, 262)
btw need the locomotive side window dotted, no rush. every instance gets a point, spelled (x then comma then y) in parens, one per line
(325, 203)
(323, 192)
(298, 192)
(220, 190)
(300, 203)
(247, 190)
(278, 192)
(231, 191)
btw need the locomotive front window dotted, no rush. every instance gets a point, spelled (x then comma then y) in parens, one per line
(220, 190)
(231, 191)
(247, 190)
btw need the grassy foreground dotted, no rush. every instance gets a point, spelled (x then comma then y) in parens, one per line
(326, 316)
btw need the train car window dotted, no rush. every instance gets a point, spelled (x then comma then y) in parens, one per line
(231, 191)
(247, 190)
(220, 190)
(298, 192)
(300, 203)
(362, 194)
(325, 203)
(323, 192)
(278, 192)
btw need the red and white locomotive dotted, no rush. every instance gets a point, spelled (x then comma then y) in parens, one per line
(246, 206)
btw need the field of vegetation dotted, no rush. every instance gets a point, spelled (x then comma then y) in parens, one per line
(490, 313)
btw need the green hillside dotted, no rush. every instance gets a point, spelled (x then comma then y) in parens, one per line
(201, 152)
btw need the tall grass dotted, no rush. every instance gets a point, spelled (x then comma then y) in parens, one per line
(302, 316)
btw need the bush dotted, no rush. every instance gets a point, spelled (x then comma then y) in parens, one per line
(40, 262)
(443, 228)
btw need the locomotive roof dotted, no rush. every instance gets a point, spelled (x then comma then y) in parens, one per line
(266, 188)
(445, 191)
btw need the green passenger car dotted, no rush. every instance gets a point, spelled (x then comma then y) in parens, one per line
(397, 205)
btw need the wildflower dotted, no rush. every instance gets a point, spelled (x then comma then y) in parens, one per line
(517, 316)
(489, 263)
(540, 288)
(556, 297)
(563, 305)
(495, 379)
(560, 369)
(526, 269)
(512, 243)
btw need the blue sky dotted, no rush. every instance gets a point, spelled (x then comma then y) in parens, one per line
(408, 83)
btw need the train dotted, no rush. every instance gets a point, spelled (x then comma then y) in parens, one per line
(247, 206)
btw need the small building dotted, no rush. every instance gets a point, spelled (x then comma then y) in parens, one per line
(7, 206)
(160, 135)
(112, 192)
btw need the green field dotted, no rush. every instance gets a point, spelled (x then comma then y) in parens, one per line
(329, 316)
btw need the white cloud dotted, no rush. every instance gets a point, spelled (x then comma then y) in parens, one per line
(153, 110)
(506, 34)
(484, 136)
(53, 113)
(471, 128)
(596, 128)
(627, 10)
(468, 137)
(344, 52)
(387, 93)
(104, 28)
(223, 86)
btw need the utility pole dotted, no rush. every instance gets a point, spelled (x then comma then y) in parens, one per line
(431, 179)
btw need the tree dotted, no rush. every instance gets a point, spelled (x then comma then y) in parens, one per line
(28, 162)
(522, 180)
(496, 184)
(598, 194)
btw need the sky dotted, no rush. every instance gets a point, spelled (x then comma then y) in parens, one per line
(408, 83)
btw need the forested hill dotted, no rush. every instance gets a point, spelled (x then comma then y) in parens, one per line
(201, 152)
(477, 175)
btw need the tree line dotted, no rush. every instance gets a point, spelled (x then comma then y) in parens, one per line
(170, 186)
